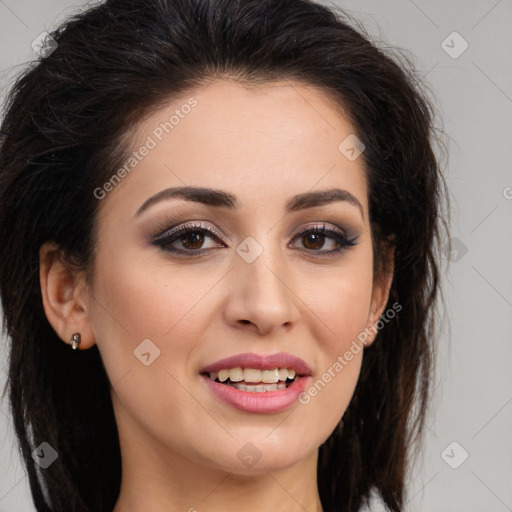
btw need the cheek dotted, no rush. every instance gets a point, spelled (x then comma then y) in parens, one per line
(138, 301)
(148, 300)
(134, 303)
(342, 306)
(342, 309)
(344, 313)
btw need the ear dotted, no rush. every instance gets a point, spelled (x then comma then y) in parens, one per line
(65, 296)
(380, 294)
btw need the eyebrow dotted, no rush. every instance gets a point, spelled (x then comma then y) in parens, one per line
(219, 198)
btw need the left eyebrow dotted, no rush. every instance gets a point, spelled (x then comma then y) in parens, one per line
(220, 198)
(321, 198)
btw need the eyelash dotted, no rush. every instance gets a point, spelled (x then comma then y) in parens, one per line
(173, 234)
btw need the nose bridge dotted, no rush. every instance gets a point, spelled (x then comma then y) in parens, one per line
(261, 291)
(262, 264)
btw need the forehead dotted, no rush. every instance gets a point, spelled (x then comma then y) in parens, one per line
(266, 141)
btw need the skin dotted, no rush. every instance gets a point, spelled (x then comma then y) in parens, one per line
(179, 443)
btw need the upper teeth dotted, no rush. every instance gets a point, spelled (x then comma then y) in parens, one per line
(253, 375)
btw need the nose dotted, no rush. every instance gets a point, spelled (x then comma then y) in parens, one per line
(261, 296)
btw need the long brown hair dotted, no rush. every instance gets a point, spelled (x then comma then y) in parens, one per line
(62, 137)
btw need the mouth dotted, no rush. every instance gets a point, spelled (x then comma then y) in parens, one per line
(258, 373)
(255, 380)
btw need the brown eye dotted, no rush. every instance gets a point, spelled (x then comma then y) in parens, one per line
(314, 239)
(194, 238)
(187, 240)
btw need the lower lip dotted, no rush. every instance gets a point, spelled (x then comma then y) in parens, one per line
(264, 402)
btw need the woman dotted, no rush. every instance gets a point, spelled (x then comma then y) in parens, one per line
(231, 211)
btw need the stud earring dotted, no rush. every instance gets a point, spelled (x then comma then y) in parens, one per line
(75, 340)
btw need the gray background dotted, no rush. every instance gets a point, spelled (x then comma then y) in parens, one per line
(474, 96)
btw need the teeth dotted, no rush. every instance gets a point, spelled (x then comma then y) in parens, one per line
(259, 388)
(270, 376)
(283, 373)
(236, 374)
(223, 375)
(253, 375)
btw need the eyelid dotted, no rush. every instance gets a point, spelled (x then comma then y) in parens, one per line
(323, 225)
(345, 238)
(166, 231)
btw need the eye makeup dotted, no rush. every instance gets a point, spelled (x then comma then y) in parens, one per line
(178, 239)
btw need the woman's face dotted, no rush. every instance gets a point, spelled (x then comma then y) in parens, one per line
(163, 307)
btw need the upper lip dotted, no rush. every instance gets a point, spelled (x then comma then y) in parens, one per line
(261, 362)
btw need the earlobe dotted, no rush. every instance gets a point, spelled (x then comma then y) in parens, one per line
(62, 291)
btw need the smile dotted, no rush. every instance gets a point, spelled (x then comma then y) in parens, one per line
(255, 380)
